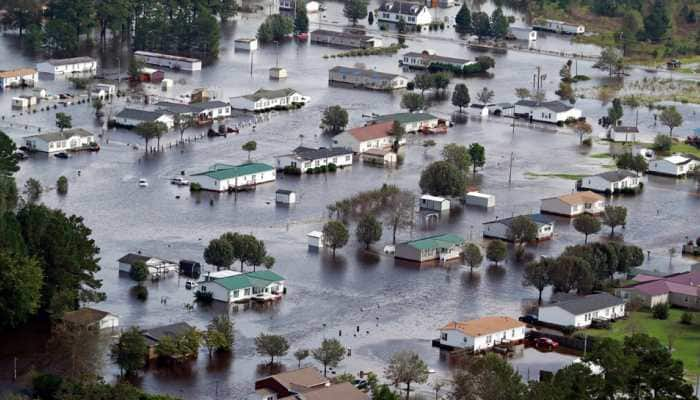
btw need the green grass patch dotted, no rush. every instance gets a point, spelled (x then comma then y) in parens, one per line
(685, 148)
(601, 155)
(686, 345)
(572, 177)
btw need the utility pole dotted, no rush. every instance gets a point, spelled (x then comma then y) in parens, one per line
(251, 63)
(510, 169)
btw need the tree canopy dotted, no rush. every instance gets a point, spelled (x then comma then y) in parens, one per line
(442, 178)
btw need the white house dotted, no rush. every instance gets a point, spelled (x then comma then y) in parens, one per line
(483, 333)
(168, 61)
(480, 199)
(554, 112)
(130, 117)
(103, 90)
(211, 110)
(285, 196)
(437, 247)
(366, 78)
(580, 312)
(372, 136)
(224, 177)
(345, 39)
(611, 182)
(622, 133)
(245, 286)
(500, 228)
(414, 14)
(69, 139)
(552, 25)
(675, 165)
(18, 77)
(424, 59)
(264, 100)
(91, 318)
(66, 66)
(573, 204)
(245, 44)
(305, 158)
(412, 122)
(156, 266)
(434, 203)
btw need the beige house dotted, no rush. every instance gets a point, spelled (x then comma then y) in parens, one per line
(573, 204)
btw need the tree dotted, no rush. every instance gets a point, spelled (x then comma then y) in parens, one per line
(522, 93)
(33, 190)
(151, 130)
(671, 118)
(63, 121)
(472, 256)
(397, 133)
(614, 216)
(412, 101)
(615, 112)
(499, 24)
(442, 178)
(181, 346)
(301, 355)
(330, 354)
(423, 82)
(522, 230)
(586, 224)
(271, 345)
(335, 119)
(440, 80)
(139, 272)
(401, 28)
(657, 22)
(463, 20)
(369, 230)
(487, 378)
(632, 25)
(370, 18)
(249, 146)
(301, 19)
(219, 253)
(457, 155)
(582, 128)
(182, 123)
(129, 352)
(485, 96)
(663, 143)
(610, 60)
(407, 367)
(481, 24)
(62, 185)
(636, 163)
(275, 28)
(21, 281)
(355, 10)
(219, 335)
(8, 159)
(335, 235)
(496, 251)
(477, 155)
(460, 96)
(536, 274)
(401, 213)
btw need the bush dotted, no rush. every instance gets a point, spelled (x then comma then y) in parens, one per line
(291, 170)
(203, 297)
(587, 142)
(310, 171)
(332, 167)
(663, 143)
(62, 185)
(195, 187)
(568, 330)
(660, 311)
(46, 386)
(410, 85)
(141, 293)
(686, 318)
(323, 169)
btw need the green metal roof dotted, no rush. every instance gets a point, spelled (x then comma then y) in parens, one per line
(437, 241)
(249, 279)
(225, 171)
(406, 118)
(265, 275)
(270, 94)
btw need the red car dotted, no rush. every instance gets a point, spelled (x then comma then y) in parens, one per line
(546, 343)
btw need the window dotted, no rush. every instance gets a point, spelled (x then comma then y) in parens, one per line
(246, 292)
(464, 339)
(347, 158)
(443, 336)
(236, 293)
(488, 339)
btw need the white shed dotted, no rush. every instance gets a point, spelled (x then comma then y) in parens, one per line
(315, 239)
(20, 102)
(166, 83)
(480, 199)
(246, 44)
(285, 196)
(434, 203)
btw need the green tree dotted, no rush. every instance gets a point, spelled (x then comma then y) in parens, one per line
(301, 355)
(397, 133)
(463, 20)
(582, 128)
(663, 143)
(614, 216)
(301, 19)
(488, 377)
(536, 274)
(586, 224)
(335, 235)
(472, 256)
(481, 24)
(129, 352)
(182, 123)
(522, 93)
(219, 335)
(33, 190)
(334, 120)
(671, 118)
(441, 80)
(477, 155)
(355, 10)
(330, 354)
(615, 112)
(457, 155)
(423, 81)
(63, 121)
(249, 146)
(21, 14)
(370, 18)
(496, 251)
(412, 101)
(401, 27)
(181, 346)
(401, 212)
(485, 96)
(568, 272)
(271, 346)
(610, 60)
(632, 25)
(151, 130)
(407, 367)
(460, 96)
(219, 253)
(8, 159)
(139, 272)
(21, 281)
(657, 22)
(442, 178)
(275, 28)
(522, 230)
(9, 196)
(499, 24)
(636, 163)
(97, 104)
(369, 230)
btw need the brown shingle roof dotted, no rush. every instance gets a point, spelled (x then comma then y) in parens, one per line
(301, 379)
(372, 131)
(483, 326)
(84, 316)
(342, 391)
(581, 198)
(17, 72)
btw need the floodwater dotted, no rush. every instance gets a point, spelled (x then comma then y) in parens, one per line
(396, 306)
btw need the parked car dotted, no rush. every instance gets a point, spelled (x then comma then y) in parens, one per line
(180, 181)
(600, 324)
(62, 155)
(143, 182)
(546, 343)
(20, 156)
(190, 285)
(529, 319)
(360, 384)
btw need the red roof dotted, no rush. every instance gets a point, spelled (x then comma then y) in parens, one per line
(372, 131)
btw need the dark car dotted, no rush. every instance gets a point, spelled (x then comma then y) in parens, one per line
(529, 319)
(546, 343)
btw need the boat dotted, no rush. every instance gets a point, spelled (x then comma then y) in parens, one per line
(143, 182)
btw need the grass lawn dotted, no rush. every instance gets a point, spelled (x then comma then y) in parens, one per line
(686, 345)
(600, 155)
(685, 148)
(572, 177)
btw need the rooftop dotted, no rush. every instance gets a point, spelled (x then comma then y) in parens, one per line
(65, 135)
(84, 316)
(168, 56)
(250, 279)
(483, 326)
(616, 176)
(580, 198)
(269, 94)
(538, 219)
(17, 72)
(592, 302)
(402, 7)
(225, 171)
(555, 105)
(68, 61)
(678, 159)
(300, 379)
(437, 58)
(340, 391)
(154, 335)
(407, 117)
(308, 153)
(131, 258)
(372, 131)
(436, 241)
(340, 34)
(369, 73)
(140, 115)
(625, 129)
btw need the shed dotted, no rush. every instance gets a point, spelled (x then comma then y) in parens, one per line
(166, 83)
(315, 239)
(20, 102)
(278, 73)
(190, 268)
(480, 199)
(285, 196)
(434, 203)
(246, 44)
(91, 318)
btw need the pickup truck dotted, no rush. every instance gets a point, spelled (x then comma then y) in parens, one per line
(180, 181)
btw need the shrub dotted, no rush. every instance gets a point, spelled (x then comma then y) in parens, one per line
(660, 311)
(203, 297)
(332, 167)
(141, 293)
(195, 187)
(587, 142)
(310, 171)
(663, 143)
(568, 330)
(686, 318)
(410, 85)
(62, 185)
(323, 169)
(291, 170)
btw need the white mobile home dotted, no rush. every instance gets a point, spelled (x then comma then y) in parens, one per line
(480, 199)
(622, 134)
(131, 117)
(103, 90)
(67, 66)
(315, 239)
(245, 286)
(438, 247)
(372, 136)
(573, 204)
(675, 165)
(482, 333)
(155, 266)
(18, 77)
(552, 25)
(434, 203)
(168, 61)
(345, 39)
(412, 13)
(91, 318)
(426, 58)
(224, 177)
(366, 78)
(500, 228)
(412, 122)
(69, 139)
(582, 311)
(611, 182)
(306, 158)
(555, 112)
(265, 100)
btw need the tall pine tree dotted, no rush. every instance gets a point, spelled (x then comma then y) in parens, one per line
(463, 20)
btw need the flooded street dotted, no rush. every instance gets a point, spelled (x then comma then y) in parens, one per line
(396, 306)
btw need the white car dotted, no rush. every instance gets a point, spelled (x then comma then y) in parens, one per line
(143, 182)
(180, 181)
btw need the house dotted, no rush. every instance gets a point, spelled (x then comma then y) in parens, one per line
(67, 66)
(622, 133)
(21, 102)
(287, 5)
(131, 117)
(224, 177)
(446, 3)
(69, 139)
(438, 247)
(156, 266)
(426, 58)
(483, 333)
(91, 318)
(366, 78)
(555, 112)
(611, 182)
(414, 14)
(480, 199)
(152, 75)
(315, 239)
(285, 196)
(306, 158)
(434, 203)
(372, 136)
(39, 93)
(245, 286)
(168, 61)
(581, 311)
(210, 110)
(345, 39)
(573, 204)
(500, 228)
(412, 122)
(675, 165)
(339, 391)
(291, 383)
(103, 91)
(264, 100)
(679, 289)
(19, 77)
(552, 25)
(245, 44)
(153, 336)
(384, 156)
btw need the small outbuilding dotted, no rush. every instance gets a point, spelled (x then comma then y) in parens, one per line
(284, 196)
(480, 199)
(190, 268)
(246, 44)
(315, 239)
(434, 203)
(437, 247)
(91, 318)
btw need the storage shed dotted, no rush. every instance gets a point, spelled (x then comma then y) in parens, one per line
(315, 239)
(284, 196)
(480, 199)
(434, 203)
(190, 268)
(246, 44)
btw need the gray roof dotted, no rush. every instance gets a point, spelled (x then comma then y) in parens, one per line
(140, 115)
(66, 134)
(284, 191)
(341, 34)
(269, 94)
(590, 303)
(625, 129)
(538, 219)
(67, 61)
(153, 336)
(616, 176)
(183, 108)
(402, 7)
(131, 258)
(206, 105)
(555, 105)
(369, 73)
(307, 153)
(437, 58)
